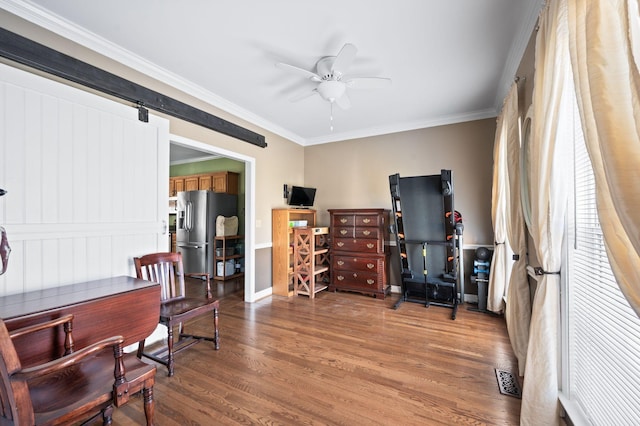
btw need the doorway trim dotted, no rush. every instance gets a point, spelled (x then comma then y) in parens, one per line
(250, 209)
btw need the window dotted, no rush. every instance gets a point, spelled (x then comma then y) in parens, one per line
(600, 331)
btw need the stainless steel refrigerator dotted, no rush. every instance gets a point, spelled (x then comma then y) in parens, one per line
(196, 226)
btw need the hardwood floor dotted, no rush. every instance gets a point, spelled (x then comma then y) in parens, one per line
(341, 359)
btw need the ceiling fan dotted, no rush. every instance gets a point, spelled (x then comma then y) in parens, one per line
(332, 82)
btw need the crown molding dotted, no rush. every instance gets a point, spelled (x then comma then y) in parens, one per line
(404, 127)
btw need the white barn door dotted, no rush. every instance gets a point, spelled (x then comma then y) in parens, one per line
(87, 183)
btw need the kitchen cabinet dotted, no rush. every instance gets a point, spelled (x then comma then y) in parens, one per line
(226, 182)
(176, 184)
(191, 183)
(205, 182)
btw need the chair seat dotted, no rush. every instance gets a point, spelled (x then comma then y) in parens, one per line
(181, 309)
(74, 385)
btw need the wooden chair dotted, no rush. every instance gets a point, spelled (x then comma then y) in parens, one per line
(176, 308)
(76, 387)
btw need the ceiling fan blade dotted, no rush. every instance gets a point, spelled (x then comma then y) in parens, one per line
(344, 59)
(343, 101)
(307, 74)
(368, 82)
(303, 95)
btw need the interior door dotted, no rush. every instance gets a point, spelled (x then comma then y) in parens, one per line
(83, 196)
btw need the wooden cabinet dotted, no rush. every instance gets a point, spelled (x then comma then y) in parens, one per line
(191, 183)
(310, 260)
(227, 182)
(176, 184)
(228, 251)
(282, 222)
(359, 256)
(206, 182)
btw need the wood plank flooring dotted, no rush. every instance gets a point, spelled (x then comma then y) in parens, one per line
(340, 359)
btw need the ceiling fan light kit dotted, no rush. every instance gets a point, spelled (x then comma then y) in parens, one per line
(332, 85)
(331, 90)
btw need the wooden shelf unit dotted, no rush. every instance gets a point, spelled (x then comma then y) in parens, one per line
(226, 248)
(310, 260)
(282, 246)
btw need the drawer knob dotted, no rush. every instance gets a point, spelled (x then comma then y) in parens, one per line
(370, 265)
(340, 277)
(343, 232)
(340, 262)
(339, 243)
(343, 220)
(355, 275)
(370, 245)
(371, 282)
(366, 232)
(365, 220)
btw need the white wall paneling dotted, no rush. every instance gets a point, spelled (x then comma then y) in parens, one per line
(87, 183)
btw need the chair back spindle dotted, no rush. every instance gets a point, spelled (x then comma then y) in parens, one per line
(165, 269)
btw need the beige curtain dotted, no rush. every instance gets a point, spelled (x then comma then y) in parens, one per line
(500, 269)
(518, 306)
(548, 208)
(605, 53)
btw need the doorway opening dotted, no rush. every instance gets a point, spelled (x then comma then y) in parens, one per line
(183, 150)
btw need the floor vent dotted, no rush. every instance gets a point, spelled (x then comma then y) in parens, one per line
(508, 384)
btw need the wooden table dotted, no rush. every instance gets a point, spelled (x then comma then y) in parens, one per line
(123, 305)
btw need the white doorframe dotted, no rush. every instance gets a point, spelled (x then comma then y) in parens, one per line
(250, 209)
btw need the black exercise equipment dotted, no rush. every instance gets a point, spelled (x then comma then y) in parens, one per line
(429, 240)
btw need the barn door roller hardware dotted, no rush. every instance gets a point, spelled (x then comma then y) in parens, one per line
(43, 58)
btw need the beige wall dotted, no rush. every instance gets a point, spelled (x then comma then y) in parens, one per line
(356, 173)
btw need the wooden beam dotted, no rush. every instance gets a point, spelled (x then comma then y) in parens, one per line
(43, 58)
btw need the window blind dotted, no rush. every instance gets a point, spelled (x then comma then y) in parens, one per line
(603, 331)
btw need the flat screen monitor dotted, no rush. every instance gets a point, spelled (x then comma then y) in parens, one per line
(302, 197)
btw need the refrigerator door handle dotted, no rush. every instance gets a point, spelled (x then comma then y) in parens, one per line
(189, 219)
(190, 246)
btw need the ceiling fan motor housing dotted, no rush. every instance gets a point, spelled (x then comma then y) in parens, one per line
(323, 67)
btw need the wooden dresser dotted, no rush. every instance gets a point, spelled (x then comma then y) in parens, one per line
(359, 256)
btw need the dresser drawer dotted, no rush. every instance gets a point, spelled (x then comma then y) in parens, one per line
(343, 232)
(344, 220)
(367, 281)
(362, 245)
(362, 232)
(348, 220)
(368, 220)
(356, 264)
(356, 232)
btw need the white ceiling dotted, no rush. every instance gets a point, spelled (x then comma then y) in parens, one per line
(450, 61)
